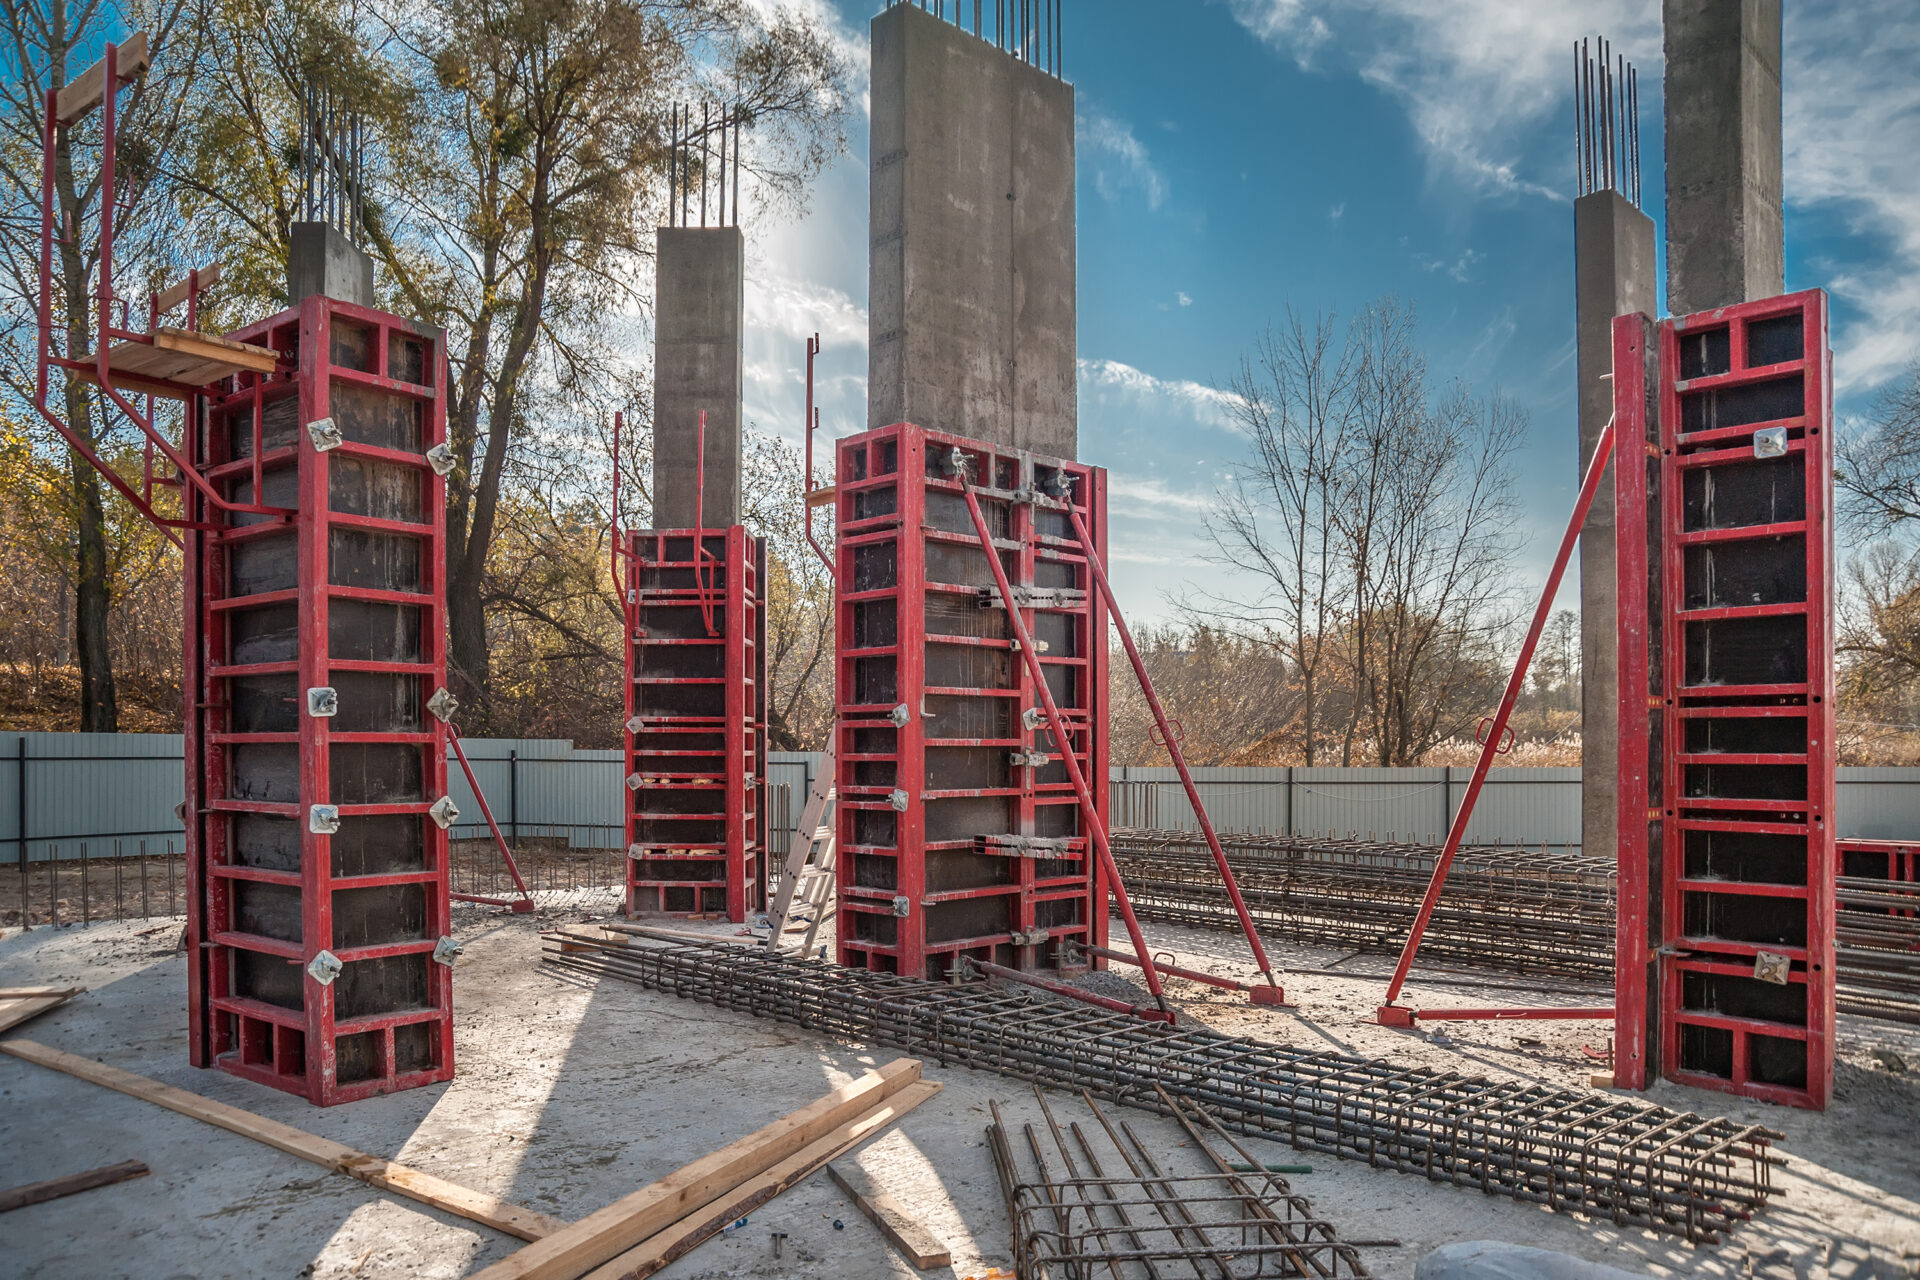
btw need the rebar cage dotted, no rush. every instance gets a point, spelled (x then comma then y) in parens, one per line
(960, 831)
(696, 723)
(1726, 848)
(314, 650)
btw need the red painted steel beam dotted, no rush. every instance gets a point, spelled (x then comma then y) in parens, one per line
(1387, 1014)
(1063, 743)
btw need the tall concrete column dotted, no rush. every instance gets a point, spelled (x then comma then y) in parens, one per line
(322, 261)
(699, 305)
(971, 268)
(1723, 153)
(1614, 275)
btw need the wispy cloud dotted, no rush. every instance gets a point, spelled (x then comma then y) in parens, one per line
(1183, 298)
(1109, 380)
(1459, 270)
(1477, 77)
(1121, 162)
(1852, 128)
(1337, 212)
(798, 309)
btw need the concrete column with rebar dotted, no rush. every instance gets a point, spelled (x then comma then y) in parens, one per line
(700, 302)
(971, 262)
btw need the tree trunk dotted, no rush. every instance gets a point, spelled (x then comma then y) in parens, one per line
(92, 597)
(467, 667)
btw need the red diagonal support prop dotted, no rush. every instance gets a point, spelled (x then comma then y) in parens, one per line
(1063, 744)
(1389, 1014)
(1274, 994)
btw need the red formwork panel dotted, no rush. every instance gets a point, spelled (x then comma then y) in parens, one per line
(959, 830)
(317, 850)
(1726, 614)
(696, 723)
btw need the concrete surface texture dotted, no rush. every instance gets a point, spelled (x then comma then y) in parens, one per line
(1724, 235)
(971, 266)
(322, 261)
(572, 1093)
(699, 305)
(1614, 274)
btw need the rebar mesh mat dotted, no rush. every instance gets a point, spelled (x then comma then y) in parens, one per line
(1086, 1207)
(1634, 1164)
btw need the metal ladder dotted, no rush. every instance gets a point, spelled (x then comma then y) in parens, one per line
(806, 880)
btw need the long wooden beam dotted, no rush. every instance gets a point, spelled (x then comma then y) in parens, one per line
(664, 1247)
(478, 1206)
(918, 1245)
(606, 1234)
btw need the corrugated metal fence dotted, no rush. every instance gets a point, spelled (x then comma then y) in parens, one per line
(108, 788)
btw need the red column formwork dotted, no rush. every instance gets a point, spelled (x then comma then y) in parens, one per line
(958, 833)
(1726, 976)
(696, 729)
(316, 810)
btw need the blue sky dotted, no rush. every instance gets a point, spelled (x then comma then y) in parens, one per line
(1236, 157)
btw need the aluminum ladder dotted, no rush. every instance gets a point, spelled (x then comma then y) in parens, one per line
(807, 878)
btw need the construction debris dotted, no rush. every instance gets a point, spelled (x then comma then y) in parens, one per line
(1570, 1150)
(1148, 1221)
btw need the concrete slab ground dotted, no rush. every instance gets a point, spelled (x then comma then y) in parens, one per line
(572, 1093)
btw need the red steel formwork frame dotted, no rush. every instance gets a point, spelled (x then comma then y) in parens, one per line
(696, 723)
(314, 663)
(959, 836)
(1727, 861)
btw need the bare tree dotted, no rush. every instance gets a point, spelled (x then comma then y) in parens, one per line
(1877, 469)
(1378, 521)
(1278, 523)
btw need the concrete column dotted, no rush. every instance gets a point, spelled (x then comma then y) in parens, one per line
(1723, 153)
(1614, 275)
(699, 304)
(971, 267)
(321, 261)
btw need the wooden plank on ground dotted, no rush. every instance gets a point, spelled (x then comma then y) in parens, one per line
(918, 1245)
(605, 1234)
(477, 1206)
(84, 92)
(17, 1004)
(655, 1252)
(54, 1188)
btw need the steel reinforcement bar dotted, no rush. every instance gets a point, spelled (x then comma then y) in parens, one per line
(1634, 1164)
(1519, 911)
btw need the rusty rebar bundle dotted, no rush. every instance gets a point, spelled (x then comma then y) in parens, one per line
(1113, 1209)
(1634, 1164)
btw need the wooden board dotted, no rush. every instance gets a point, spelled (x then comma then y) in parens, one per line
(169, 298)
(918, 1245)
(74, 1183)
(655, 1252)
(607, 1233)
(183, 357)
(84, 92)
(17, 1004)
(477, 1206)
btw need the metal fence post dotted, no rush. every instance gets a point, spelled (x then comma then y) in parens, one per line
(20, 830)
(513, 796)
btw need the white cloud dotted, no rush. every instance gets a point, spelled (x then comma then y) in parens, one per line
(1337, 212)
(1477, 77)
(1182, 298)
(798, 309)
(1852, 128)
(1120, 162)
(1106, 380)
(1459, 270)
